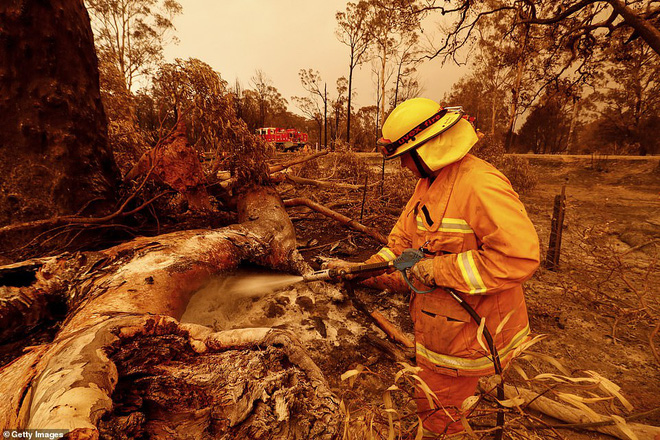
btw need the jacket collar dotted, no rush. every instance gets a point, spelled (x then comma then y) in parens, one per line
(434, 194)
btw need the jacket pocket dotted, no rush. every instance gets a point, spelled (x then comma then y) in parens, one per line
(440, 323)
(445, 242)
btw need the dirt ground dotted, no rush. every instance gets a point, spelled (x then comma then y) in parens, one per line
(599, 311)
(601, 308)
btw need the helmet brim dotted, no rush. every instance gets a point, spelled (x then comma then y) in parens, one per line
(445, 123)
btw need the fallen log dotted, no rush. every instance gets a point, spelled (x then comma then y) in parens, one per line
(226, 175)
(276, 168)
(23, 308)
(322, 183)
(121, 334)
(303, 201)
(574, 416)
(391, 330)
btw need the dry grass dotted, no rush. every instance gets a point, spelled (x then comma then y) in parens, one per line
(587, 394)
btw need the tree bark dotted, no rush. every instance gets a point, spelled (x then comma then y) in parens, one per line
(54, 154)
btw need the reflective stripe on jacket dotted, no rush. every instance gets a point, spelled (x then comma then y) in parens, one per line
(484, 246)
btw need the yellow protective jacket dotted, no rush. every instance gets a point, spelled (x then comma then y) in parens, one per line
(484, 246)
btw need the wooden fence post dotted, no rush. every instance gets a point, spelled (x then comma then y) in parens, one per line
(554, 245)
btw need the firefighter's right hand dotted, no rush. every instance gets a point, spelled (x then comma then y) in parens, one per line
(423, 271)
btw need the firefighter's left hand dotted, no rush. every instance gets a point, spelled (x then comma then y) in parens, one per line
(423, 271)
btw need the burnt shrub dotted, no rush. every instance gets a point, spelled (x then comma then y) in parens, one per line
(520, 173)
(517, 169)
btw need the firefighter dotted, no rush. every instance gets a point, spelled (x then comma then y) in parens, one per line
(479, 241)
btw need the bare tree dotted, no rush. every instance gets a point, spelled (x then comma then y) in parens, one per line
(130, 33)
(406, 58)
(380, 77)
(390, 28)
(260, 82)
(269, 99)
(310, 108)
(353, 31)
(311, 81)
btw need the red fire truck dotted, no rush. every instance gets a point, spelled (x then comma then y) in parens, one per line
(287, 139)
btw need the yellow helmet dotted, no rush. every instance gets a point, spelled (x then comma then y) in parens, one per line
(440, 135)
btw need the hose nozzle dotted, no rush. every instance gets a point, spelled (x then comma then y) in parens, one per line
(324, 275)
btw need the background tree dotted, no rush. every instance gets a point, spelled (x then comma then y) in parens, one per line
(366, 128)
(627, 101)
(388, 29)
(353, 31)
(409, 86)
(271, 106)
(262, 85)
(339, 105)
(129, 38)
(485, 92)
(54, 155)
(250, 109)
(268, 99)
(237, 94)
(578, 23)
(192, 91)
(310, 108)
(130, 34)
(477, 95)
(123, 110)
(547, 127)
(405, 59)
(312, 82)
(543, 42)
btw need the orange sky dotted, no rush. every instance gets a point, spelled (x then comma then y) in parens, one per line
(280, 37)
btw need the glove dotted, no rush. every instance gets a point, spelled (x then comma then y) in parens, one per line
(337, 263)
(423, 271)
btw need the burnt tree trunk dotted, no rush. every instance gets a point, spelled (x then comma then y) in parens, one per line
(54, 153)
